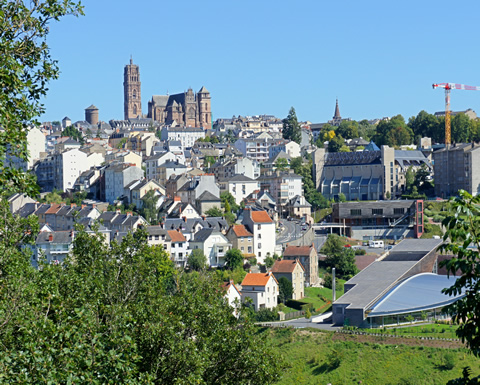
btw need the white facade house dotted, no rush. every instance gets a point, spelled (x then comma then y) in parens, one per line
(179, 250)
(213, 244)
(289, 147)
(283, 186)
(187, 136)
(263, 229)
(262, 289)
(117, 177)
(35, 145)
(153, 162)
(241, 186)
(233, 297)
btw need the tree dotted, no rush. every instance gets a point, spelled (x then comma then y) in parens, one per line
(197, 260)
(25, 69)
(409, 179)
(149, 207)
(335, 144)
(281, 164)
(269, 261)
(228, 197)
(463, 232)
(291, 127)
(53, 197)
(348, 129)
(461, 128)
(285, 289)
(393, 132)
(233, 259)
(214, 212)
(73, 133)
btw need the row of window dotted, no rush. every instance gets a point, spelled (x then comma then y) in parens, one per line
(399, 210)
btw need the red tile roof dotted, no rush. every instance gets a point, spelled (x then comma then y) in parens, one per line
(260, 217)
(176, 236)
(256, 279)
(297, 251)
(286, 266)
(241, 231)
(53, 208)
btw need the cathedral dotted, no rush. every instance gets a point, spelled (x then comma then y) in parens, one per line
(187, 109)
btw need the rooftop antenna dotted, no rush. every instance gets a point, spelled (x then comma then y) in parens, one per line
(131, 59)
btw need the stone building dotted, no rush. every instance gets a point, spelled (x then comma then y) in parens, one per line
(186, 109)
(91, 115)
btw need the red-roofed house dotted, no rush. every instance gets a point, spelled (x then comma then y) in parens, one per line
(241, 239)
(179, 247)
(262, 227)
(261, 288)
(308, 257)
(294, 272)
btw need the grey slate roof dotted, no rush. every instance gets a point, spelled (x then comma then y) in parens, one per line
(207, 196)
(203, 235)
(59, 237)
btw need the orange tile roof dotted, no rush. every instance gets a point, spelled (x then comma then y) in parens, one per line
(285, 266)
(256, 279)
(176, 236)
(241, 231)
(261, 217)
(53, 208)
(297, 251)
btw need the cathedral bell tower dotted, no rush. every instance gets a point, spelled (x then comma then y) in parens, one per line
(132, 105)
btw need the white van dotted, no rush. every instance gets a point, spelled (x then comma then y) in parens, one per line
(376, 244)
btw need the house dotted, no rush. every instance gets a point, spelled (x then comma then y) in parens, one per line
(116, 221)
(53, 246)
(153, 162)
(195, 186)
(298, 207)
(241, 239)
(294, 272)
(240, 186)
(262, 289)
(263, 229)
(136, 190)
(179, 250)
(227, 167)
(186, 135)
(191, 226)
(282, 185)
(117, 177)
(207, 201)
(124, 156)
(213, 244)
(232, 296)
(158, 236)
(308, 257)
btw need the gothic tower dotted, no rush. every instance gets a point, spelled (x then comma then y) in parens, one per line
(337, 119)
(204, 108)
(132, 105)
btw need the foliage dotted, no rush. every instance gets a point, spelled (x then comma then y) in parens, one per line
(339, 257)
(348, 129)
(197, 260)
(73, 133)
(291, 127)
(25, 69)
(393, 132)
(335, 144)
(463, 231)
(149, 207)
(228, 197)
(234, 259)
(428, 125)
(328, 281)
(236, 275)
(53, 197)
(214, 212)
(269, 262)
(334, 244)
(285, 289)
(266, 315)
(315, 198)
(281, 164)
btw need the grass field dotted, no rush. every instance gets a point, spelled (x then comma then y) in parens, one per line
(314, 357)
(426, 330)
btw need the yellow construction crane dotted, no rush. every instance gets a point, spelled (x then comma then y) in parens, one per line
(448, 87)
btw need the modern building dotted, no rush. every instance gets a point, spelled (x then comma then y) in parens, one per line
(390, 219)
(367, 294)
(282, 186)
(117, 177)
(457, 167)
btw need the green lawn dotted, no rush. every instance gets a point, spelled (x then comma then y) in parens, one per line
(314, 358)
(426, 330)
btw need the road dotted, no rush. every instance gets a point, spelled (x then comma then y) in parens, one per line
(303, 323)
(291, 230)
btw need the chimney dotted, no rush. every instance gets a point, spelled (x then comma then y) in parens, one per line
(94, 205)
(83, 206)
(72, 205)
(129, 213)
(177, 199)
(50, 237)
(118, 211)
(184, 219)
(203, 217)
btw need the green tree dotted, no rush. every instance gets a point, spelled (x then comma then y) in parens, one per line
(285, 289)
(461, 127)
(25, 69)
(348, 129)
(233, 259)
(409, 179)
(333, 245)
(291, 127)
(427, 125)
(214, 212)
(335, 144)
(269, 261)
(149, 207)
(343, 262)
(53, 197)
(393, 132)
(197, 260)
(73, 133)
(228, 197)
(281, 164)
(462, 232)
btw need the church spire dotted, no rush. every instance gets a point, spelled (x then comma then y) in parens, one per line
(337, 112)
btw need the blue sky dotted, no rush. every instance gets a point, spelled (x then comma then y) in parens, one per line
(379, 58)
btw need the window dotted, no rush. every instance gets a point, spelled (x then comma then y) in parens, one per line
(355, 212)
(398, 210)
(377, 211)
(259, 227)
(259, 236)
(259, 245)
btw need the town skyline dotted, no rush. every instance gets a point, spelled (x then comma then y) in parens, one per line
(259, 59)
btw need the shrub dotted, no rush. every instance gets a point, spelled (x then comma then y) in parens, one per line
(438, 218)
(266, 315)
(448, 361)
(360, 251)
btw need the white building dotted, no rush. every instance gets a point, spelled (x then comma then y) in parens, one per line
(213, 244)
(262, 289)
(179, 250)
(289, 147)
(153, 162)
(263, 229)
(187, 136)
(35, 145)
(117, 177)
(233, 297)
(239, 186)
